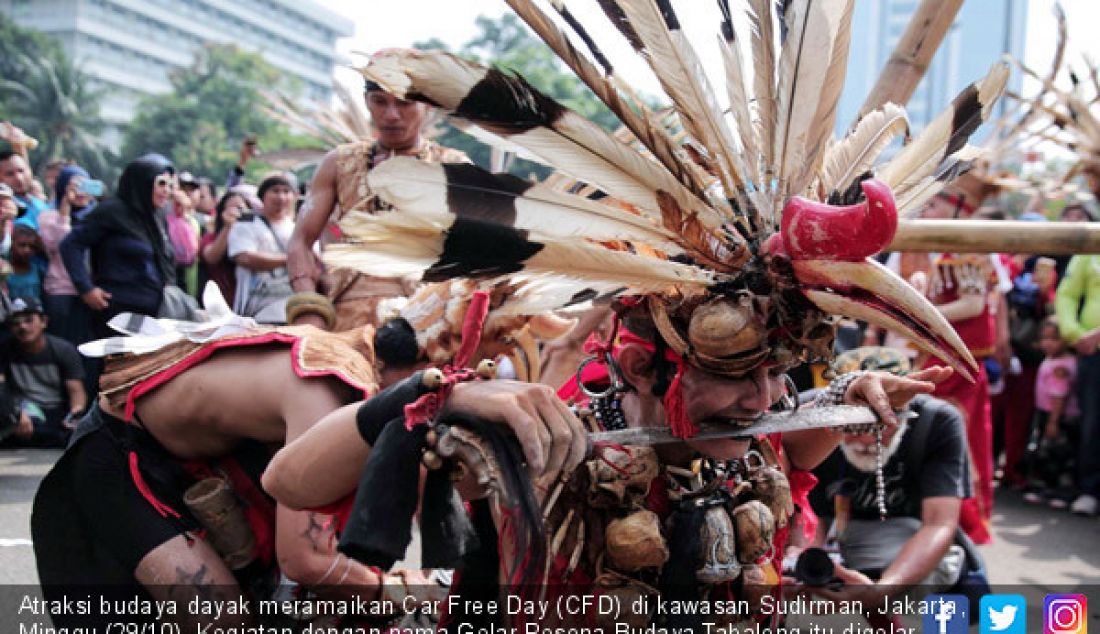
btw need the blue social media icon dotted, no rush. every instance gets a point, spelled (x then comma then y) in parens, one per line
(1003, 614)
(945, 614)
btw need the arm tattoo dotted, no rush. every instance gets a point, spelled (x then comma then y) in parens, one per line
(318, 534)
(191, 584)
(196, 577)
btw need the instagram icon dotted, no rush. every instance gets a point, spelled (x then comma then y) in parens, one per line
(1065, 614)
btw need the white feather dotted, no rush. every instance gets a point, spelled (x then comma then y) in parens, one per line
(398, 243)
(857, 152)
(421, 189)
(813, 26)
(762, 39)
(921, 157)
(739, 105)
(683, 78)
(911, 200)
(574, 145)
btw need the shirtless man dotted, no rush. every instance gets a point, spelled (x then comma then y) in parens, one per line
(234, 397)
(111, 511)
(340, 184)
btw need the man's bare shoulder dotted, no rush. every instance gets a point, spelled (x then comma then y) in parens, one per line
(354, 147)
(332, 158)
(443, 154)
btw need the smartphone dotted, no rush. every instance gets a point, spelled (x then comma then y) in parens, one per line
(252, 143)
(91, 187)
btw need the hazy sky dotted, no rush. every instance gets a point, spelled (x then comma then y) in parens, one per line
(392, 23)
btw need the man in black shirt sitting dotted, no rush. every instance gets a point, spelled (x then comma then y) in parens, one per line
(926, 476)
(43, 378)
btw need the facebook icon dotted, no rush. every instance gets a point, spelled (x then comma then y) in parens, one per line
(945, 614)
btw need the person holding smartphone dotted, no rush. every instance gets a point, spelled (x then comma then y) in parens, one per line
(76, 198)
(249, 150)
(214, 246)
(126, 240)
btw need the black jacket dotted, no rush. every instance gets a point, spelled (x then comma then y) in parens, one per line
(131, 255)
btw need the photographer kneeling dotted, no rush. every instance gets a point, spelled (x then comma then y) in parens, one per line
(925, 470)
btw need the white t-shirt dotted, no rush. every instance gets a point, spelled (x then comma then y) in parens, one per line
(256, 237)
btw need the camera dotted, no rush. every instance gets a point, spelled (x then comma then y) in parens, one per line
(815, 568)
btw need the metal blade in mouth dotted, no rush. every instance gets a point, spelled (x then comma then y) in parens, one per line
(838, 417)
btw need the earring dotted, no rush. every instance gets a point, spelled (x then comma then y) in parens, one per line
(789, 401)
(606, 405)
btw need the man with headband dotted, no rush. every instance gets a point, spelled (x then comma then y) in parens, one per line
(726, 269)
(967, 289)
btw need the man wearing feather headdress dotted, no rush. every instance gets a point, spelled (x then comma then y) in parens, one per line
(339, 186)
(726, 256)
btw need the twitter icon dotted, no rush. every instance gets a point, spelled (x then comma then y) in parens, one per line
(1003, 614)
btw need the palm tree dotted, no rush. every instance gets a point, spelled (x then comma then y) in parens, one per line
(319, 128)
(56, 103)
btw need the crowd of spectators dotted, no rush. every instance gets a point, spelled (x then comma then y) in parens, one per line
(1043, 367)
(76, 252)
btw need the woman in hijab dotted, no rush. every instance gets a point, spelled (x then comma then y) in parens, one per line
(127, 238)
(68, 316)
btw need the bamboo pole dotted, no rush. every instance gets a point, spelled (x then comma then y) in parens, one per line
(997, 236)
(912, 55)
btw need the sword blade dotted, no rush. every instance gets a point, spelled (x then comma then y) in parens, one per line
(838, 416)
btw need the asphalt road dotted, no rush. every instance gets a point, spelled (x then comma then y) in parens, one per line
(1034, 546)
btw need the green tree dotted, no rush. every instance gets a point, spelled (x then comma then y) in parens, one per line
(214, 104)
(53, 100)
(507, 44)
(55, 103)
(15, 42)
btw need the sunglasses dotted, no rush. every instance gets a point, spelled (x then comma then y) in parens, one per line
(164, 181)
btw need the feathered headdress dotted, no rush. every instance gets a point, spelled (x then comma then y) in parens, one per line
(1068, 118)
(1018, 127)
(437, 314)
(738, 243)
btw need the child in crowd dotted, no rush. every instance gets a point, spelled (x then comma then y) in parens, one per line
(28, 264)
(1051, 455)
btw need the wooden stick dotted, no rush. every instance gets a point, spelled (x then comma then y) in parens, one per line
(997, 236)
(913, 54)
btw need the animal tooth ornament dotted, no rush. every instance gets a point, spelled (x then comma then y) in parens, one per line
(742, 242)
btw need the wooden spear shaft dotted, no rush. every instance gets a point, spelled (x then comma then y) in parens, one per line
(996, 236)
(913, 54)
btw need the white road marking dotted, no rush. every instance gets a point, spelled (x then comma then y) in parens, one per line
(15, 542)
